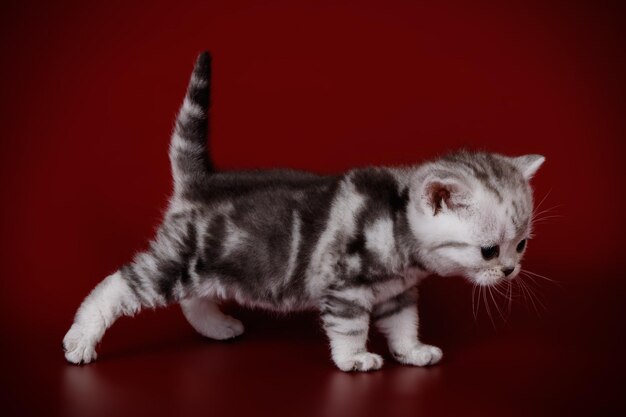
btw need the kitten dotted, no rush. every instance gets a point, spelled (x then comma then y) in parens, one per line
(354, 246)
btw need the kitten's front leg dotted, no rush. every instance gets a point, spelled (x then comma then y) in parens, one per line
(397, 319)
(346, 321)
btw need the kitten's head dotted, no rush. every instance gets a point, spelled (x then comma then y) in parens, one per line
(471, 214)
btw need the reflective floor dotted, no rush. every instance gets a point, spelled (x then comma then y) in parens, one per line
(565, 360)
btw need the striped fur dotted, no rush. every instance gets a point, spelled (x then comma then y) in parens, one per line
(354, 246)
(191, 164)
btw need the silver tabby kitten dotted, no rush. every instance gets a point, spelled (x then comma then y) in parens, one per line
(354, 246)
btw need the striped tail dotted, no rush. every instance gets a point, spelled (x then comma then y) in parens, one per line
(191, 163)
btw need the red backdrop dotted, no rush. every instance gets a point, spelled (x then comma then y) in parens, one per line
(89, 94)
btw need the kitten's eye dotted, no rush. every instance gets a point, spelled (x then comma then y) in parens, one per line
(490, 252)
(521, 245)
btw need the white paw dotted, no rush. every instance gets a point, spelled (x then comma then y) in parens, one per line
(363, 362)
(421, 355)
(226, 329)
(79, 348)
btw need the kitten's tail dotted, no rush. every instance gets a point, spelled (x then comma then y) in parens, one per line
(189, 153)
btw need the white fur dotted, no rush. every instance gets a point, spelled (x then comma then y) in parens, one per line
(205, 316)
(192, 108)
(379, 238)
(296, 237)
(353, 263)
(235, 237)
(359, 361)
(196, 81)
(110, 299)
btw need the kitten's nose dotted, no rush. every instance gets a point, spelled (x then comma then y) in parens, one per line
(507, 271)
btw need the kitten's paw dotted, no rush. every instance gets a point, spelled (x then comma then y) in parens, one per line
(363, 362)
(421, 355)
(227, 328)
(79, 348)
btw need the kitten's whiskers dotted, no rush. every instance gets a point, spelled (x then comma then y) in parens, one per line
(543, 199)
(484, 294)
(496, 304)
(534, 274)
(474, 311)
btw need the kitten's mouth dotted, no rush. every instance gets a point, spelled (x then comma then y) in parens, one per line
(487, 278)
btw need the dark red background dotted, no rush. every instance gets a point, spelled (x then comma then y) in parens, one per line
(88, 98)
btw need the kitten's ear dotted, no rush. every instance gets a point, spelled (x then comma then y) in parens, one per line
(528, 164)
(444, 194)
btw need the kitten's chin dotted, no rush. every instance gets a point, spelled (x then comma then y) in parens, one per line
(485, 282)
(484, 278)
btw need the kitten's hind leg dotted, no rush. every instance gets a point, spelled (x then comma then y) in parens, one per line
(151, 280)
(205, 316)
(110, 299)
